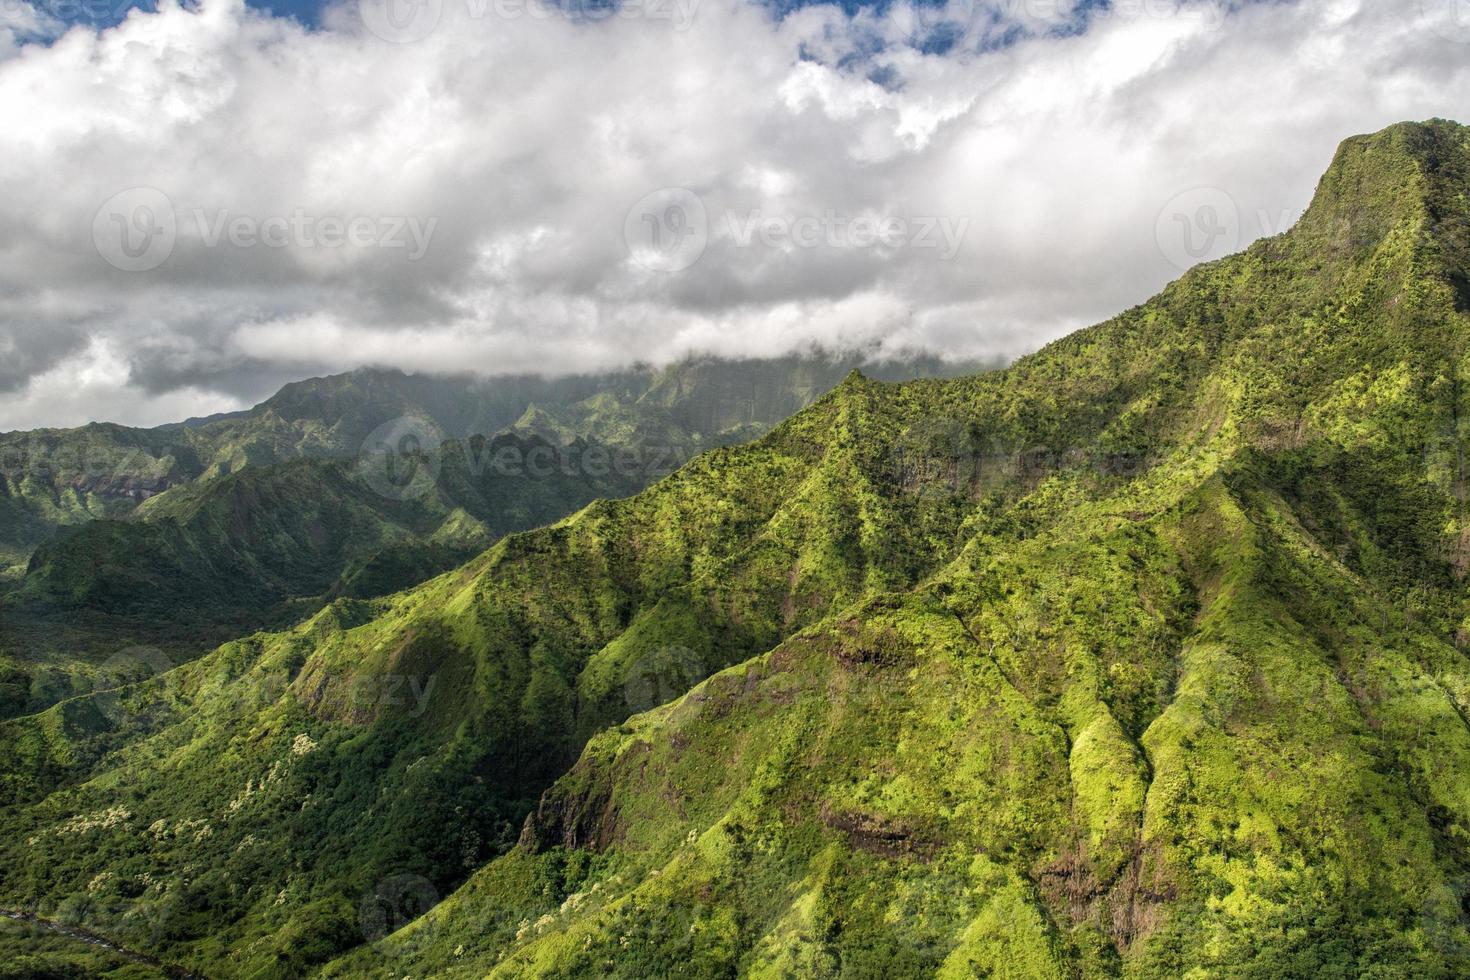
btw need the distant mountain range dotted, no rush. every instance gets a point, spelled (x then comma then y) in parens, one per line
(59, 477)
(184, 535)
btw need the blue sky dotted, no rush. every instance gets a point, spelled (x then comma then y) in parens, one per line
(309, 12)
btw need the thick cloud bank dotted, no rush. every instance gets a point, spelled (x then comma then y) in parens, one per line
(202, 203)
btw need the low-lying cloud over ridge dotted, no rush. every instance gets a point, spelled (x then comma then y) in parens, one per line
(201, 204)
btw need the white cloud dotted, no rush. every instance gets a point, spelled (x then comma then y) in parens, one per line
(528, 139)
(20, 22)
(95, 380)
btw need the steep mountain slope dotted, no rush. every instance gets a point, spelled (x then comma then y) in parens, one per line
(56, 478)
(1200, 711)
(419, 729)
(1141, 657)
(33, 951)
(233, 539)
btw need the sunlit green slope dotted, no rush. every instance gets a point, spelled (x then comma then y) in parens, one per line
(1194, 705)
(1140, 658)
(291, 772)
(263, 516)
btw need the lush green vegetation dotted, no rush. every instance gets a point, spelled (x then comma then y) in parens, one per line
(1144, 657)
(258, 520)
(32, 952)
(64, 477)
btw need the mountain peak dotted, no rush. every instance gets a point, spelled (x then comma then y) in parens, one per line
(1380, 181)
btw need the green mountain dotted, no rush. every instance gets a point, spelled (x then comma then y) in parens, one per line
(1142, 657)
(262, 519)
(56, 478)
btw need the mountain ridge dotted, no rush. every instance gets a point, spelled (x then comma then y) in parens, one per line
(265, 519)
(1141, 657)
(1095, 910)
(104, 470)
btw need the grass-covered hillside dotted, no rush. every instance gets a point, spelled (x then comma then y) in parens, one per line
(1140, 658)
(284, 775)
(357, 485)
